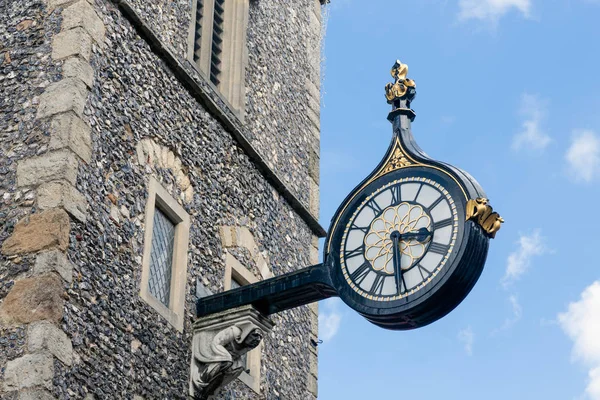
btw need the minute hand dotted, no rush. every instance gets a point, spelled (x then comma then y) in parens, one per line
(397, 254)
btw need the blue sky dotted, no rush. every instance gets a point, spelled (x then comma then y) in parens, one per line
(509, 91)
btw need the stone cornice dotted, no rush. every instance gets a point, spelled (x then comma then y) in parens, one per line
(198, 86)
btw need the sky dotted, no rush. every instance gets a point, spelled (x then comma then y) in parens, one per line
(507, 90)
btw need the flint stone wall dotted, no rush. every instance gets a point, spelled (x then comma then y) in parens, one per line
(283, 54)
(121, 347)
(26, 69)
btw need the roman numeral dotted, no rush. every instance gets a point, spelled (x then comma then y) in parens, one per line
(424, 271)
(361, 273)
(441, 224)
(359, 251)
(360, 228)
(395, 194)
(439, 248)
(374, 206)
(436, 202)
(377, 287)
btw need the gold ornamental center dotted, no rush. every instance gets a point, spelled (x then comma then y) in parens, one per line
(404, 218)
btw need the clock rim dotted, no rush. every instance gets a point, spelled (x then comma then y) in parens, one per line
(379, 311)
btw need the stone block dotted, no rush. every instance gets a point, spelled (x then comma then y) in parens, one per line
(225, 233)
(46, 230)
(67, 130)
(52, 166)
(244, 238)
(76, 67)
(263, 266)
(44, 336)
(314, 364)
(35, 394)
(33, 299)
(312, 386)
(53, 261)
(60, 3)
(314, 165)
(82, 15)
(315, 119)
(29, 371)
(313, 90)
(314, 198)
(314, 255)
(68, 94)
(58, 194)
(314, 105)
(314, 324)
(74, 42)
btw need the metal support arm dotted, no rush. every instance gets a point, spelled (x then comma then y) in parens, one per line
(275, 294)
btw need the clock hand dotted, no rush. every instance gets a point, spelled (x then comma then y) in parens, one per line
(396, 237)
(421, 235)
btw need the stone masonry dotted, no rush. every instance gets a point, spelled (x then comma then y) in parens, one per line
(89, 111)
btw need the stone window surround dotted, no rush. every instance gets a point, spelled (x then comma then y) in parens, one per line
(234, 56)
(234, 270)
(159, 197)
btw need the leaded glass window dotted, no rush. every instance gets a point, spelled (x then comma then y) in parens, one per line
(161, 257)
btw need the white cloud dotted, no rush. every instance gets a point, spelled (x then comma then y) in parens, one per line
(531, 136)
(329, 319)
(583, 156)
(491, 10)
(517, 312)
(467, 337)
(519, 261)
(581, 322)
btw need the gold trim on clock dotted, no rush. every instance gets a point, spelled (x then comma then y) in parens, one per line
(398, 159)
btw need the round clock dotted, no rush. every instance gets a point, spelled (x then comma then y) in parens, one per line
(408, 244)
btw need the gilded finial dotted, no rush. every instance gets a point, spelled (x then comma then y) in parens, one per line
(401, 83)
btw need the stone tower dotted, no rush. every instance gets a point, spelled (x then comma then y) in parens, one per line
(153, 152)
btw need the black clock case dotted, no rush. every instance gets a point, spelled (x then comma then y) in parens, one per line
(462, 270)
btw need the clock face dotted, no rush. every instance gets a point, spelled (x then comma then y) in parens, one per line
(399, 238)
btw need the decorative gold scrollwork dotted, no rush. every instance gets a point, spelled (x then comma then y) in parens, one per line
(481, 212)
(401, 82)
(397, 161)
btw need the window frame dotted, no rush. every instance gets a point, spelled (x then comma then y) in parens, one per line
(234, 55)
(159, 197)
(234, 270)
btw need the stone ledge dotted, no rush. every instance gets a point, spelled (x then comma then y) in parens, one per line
(45, 230)
(68, 94)
(33, 299)
(44, 336)
(28, 371)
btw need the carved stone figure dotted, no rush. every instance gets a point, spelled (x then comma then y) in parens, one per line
(218, 345)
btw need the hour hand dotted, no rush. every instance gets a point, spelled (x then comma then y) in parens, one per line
(421, 235)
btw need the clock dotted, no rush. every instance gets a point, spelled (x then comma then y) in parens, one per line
(410, 241)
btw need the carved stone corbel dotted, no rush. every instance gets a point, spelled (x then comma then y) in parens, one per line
(220, 340)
